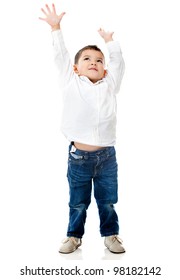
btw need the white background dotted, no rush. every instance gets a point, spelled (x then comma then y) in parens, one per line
(33, 152)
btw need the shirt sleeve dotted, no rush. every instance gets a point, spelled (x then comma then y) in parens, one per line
(116, 66)
(62, 58)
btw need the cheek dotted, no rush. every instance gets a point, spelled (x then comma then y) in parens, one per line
(81, 71)
(102, 71)
(81, 68)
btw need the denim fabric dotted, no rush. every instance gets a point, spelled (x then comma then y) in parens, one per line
(87, 169)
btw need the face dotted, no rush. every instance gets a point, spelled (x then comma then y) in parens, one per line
(91, 64)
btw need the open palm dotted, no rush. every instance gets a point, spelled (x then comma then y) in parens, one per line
(51, 16)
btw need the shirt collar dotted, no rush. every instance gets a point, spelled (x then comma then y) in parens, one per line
(84, 78)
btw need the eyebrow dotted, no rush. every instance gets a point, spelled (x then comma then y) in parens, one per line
(90, 56)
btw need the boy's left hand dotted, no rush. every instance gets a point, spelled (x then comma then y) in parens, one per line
(106, 35)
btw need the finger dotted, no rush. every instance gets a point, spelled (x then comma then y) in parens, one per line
(48, 9)
(42, 18)
(53, 8)
(44, 12)
(101, 31)
(61, 15)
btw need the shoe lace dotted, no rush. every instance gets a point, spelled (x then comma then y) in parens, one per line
(116, 237)
(72, 239)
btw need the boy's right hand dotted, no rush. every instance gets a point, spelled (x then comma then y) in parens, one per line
(51, 17)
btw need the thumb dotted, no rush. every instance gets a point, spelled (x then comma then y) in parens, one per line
(61, 16)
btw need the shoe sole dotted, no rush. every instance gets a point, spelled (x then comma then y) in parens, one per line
(117, 252)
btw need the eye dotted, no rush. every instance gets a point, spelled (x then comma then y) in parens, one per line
(86, 58)
(100, 60)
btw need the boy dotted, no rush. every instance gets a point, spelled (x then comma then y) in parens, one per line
(89, 123)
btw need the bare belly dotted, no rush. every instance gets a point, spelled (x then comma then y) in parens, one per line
(88, 148)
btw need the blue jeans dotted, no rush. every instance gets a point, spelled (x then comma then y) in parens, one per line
(99, 168)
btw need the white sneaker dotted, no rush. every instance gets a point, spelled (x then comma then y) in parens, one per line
(69, 245)
(114, 244)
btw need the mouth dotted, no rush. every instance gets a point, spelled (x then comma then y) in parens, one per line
(94, 69)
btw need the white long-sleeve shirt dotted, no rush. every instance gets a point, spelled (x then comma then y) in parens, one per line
(89, 114)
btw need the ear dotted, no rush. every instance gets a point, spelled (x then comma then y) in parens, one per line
(75, 68)
(105, 72)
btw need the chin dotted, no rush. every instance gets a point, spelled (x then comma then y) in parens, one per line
(94, 80)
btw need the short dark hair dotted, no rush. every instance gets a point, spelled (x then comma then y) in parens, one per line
(89, 47)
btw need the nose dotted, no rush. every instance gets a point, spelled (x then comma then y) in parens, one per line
(93, 62)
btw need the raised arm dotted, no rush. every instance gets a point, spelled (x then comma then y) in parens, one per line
(115, 70)
(51, 17)
(61, 55)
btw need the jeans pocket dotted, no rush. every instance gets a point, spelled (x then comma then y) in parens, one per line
(75, 159)
(76, 156)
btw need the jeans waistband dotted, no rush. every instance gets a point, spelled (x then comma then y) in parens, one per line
(106, 150)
